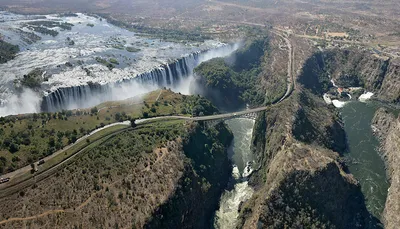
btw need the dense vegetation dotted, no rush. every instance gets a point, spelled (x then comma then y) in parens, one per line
(132, 49)
(47, 27)
(28, 37)
(176, 104)
(104, 62)
(235, 79)
(151, 176)
(160, 33)
(203, 183)
(7, 51)
(44, 31)
(33, 79)
(314, 75)
(51, 24)
(27, 138)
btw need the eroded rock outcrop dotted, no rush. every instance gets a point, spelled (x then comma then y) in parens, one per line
(353, 68)
(361, 68)
(387, 129)
(206, 175)
(300, 181)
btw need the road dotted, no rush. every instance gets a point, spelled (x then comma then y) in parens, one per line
(28, 168)
(4, 188)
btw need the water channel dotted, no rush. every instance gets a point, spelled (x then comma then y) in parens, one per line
(238, 189)
(364, 161)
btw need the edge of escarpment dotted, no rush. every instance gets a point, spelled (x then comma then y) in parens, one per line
(301, 179)
(387, 128)
(207, 172)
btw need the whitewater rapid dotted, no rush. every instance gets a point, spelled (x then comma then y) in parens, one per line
(240, 191)
(72, 71)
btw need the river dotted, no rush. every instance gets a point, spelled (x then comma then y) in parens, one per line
(364, 161)
(238, 189)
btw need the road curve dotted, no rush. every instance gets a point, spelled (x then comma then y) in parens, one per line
(290, 87)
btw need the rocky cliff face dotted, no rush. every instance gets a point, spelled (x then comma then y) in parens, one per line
(353, 68)
(300, 181)
(206, 175)
(233, 81)
(357, 68)
(387, 129)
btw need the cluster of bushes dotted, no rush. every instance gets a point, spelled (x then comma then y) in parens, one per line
(235, 79)
(33, 79)
(198, 106)
(3, 163)
(28, 37)
(165, 34)
(51, 24)
(7, 51)
(15, 139)
(104, 62)
(44, 30)
(44, 27)
(152, 110)
(132, 49)
(120, 117)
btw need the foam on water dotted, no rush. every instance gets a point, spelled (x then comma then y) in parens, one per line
(327, 99)
(338, 104)
(103, 40)
(228, 212)
(226, 216)
(366, 96)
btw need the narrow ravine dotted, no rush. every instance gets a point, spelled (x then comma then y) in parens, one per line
(364, 161)
(238, 189)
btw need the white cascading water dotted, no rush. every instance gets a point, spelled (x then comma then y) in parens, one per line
(75, 78)
(227, 214)
(176, 76)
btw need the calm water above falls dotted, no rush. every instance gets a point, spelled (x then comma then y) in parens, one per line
(365, 163)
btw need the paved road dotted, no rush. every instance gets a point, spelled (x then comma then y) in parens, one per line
(28, 168)
(290, 87)
(289, 90)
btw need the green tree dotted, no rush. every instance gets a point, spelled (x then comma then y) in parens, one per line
(94, 110)
(133, 124)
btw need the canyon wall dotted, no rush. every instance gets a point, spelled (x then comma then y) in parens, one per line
(387, 129)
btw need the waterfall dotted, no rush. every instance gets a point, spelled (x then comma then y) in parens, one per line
(166, 75)
(92, 94)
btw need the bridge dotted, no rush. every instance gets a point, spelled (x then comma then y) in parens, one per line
(209, 121)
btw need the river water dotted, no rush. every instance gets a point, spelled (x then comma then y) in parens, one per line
(238, 188)
(364, 161)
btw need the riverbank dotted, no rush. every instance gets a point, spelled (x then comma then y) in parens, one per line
(387, 129)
